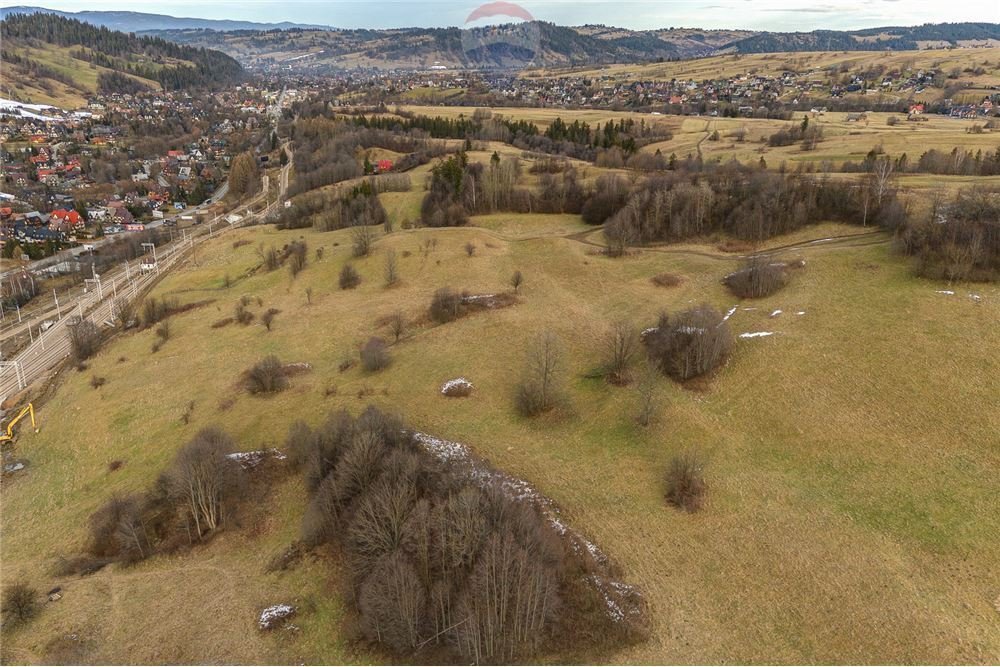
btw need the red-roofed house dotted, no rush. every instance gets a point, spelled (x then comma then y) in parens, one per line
(62, 220)
(48, 176)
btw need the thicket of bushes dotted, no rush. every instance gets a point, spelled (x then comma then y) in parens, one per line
(960, 241)
(436, 560)
(84, 339)
(690, 343)
(758, 276)
(194, 497)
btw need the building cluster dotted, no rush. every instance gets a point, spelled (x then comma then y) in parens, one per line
(66, 176)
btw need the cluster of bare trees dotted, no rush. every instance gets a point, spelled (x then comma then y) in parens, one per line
(459, 188)
(758, 276)
(750, 204)
(331, 211)
(436, 560)
(690, 343)
(194, 497)
(959, 240)
(84, 339)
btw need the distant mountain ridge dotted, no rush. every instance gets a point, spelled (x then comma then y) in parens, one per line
(318, 49)
(552, 45)
(141, 21)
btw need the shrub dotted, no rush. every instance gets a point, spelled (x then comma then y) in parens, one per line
(375, 355)
(446, 305)
(267, 319)
(272, 259)
(685, 482)
(125, 313)
(690, 344)
(470, 248)
(267, 376)
(516, 280)
(98, 382)
(84, 339)
(154, 310)
(242, 314)
(759, 276)
(666, 280)
(163, 331)
(118, 531)
(20, 604)
(297, 257)
(349, 277)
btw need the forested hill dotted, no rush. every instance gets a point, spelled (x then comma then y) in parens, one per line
(33, 46)
(548, 45)
(897, 38)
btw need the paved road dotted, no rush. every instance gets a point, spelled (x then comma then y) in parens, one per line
(49, 349)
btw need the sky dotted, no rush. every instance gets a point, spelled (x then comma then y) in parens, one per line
(776, 15)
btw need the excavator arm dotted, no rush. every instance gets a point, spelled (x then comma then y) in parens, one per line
(28, 410)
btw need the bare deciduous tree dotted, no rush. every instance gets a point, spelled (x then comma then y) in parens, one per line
(646, 414)
(538, 392)
(362, 240)
(391, 268)
(397, 325)
(621, 347)
(84, 339)
(202, 480)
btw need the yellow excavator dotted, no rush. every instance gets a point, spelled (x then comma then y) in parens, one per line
(28, 410)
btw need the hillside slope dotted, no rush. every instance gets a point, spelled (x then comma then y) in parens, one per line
(140, 21)
(57, 60)
(544, 44)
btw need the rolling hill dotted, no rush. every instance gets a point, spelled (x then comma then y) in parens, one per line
(548, 45)
(141, 21)
(62, 61)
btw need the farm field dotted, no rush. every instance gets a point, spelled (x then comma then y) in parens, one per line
(734, 65)
(843, 140)
(851, 516)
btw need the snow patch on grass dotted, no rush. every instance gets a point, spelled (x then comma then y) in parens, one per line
(274, 615)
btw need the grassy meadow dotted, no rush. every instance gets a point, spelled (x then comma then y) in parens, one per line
(851, 516)
(734, 65)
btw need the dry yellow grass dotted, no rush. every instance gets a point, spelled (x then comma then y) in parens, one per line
(852, 513)
(735, 65)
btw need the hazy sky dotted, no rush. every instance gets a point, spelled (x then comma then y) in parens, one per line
(637, 14)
